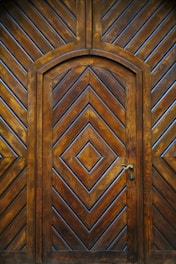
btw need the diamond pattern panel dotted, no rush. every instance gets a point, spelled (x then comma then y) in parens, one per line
(107, 156)
(89, 156)
(88, 144)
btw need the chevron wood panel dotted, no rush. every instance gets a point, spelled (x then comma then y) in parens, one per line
(13, 142)
(13, 130)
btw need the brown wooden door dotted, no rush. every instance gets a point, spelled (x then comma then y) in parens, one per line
(89, 130)
(42, 42)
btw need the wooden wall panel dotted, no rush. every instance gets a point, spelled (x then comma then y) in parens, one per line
(146, 28)
(37, 27)
(13, 164)
(28, 30)
(31, 29)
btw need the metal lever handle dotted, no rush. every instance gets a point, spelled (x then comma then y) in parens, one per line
(129, 167)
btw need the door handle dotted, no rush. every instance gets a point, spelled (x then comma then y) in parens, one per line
(129, 167)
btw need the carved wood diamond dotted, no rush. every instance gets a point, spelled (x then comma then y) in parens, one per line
(86, 143)
(89, 156)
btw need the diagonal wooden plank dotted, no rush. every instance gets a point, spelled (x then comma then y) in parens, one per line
(131, 29)
(55, 20)
(163, 187)
(119, 243)
(116, 226)
(13, 231)
(13, 104)
(92, 235)
(101, 84)
(14, 170)
(163, 48)
(164, 105)
(65, 231)
(110, 15)
(166, 230)
(14, 66)
(73, 93)
(34, 18)
(151, 25)
(163, 143)
(71, 5)
(107, 115)
(5, 164)
(15, 48)
(12, 192)
(5, 149)
(90, 217)
(72, 114)
(107, 215)
(63, 86)
(69, 21)
(162, 67)
(61, 207)
(19, 241)
(108, 135)
(171, 161)
(19, 36)
(13, 211)
(13, 140)
(13, 121)
(58, 243)
(13, 85)
(147, 50)
(164, 123)
(160, 203)
(159, 241)
(17, 14)
(159, 89)
(71, 133)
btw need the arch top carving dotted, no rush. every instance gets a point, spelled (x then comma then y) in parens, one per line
(70, 51)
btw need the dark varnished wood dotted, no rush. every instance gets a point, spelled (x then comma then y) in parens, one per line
(37, 40)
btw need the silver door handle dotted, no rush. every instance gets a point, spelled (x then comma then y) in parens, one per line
(129, 167)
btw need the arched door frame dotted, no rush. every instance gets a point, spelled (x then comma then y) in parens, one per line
(35, 86)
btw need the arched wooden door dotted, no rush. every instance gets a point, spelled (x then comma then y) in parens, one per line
(90, 108)
(87, 85)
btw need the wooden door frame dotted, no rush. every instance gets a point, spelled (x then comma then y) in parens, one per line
(35, 86)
